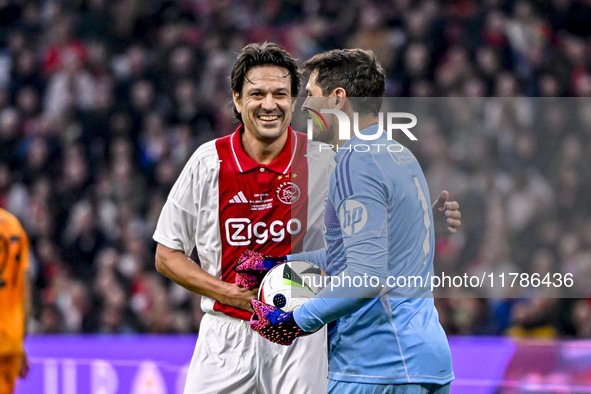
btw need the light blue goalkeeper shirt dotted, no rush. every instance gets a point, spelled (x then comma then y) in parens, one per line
(378, 223)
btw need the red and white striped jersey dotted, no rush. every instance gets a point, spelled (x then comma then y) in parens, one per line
(224, 202)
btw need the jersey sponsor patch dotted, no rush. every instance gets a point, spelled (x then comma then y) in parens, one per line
(261, 201)
(241, 231)
(353, 216)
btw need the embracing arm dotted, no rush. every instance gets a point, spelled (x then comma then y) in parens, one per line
(448, 209)
(175, 265)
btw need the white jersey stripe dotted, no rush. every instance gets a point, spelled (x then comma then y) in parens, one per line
(320, 166)
(234, 153)
(292, 153)
(184, 180)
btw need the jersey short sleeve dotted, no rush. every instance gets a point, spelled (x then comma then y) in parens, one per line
(177, 224)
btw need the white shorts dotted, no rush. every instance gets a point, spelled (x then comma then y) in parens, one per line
(231, 358)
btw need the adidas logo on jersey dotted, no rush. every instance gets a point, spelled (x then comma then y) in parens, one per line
(239, 198)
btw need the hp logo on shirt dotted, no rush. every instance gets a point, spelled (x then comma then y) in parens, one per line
(353, 216)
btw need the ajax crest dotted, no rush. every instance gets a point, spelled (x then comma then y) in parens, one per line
(288, 192)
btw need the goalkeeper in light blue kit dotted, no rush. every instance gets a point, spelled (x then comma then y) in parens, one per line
(383, 338)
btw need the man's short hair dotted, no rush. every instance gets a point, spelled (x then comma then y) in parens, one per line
(355, 70)
(266, 54)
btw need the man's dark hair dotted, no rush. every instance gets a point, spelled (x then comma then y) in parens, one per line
(355, 70)
(266, 54)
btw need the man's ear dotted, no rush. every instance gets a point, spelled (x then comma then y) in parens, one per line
(340, 98)
(237, 102)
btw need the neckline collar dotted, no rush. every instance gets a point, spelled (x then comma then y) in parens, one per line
(281, 165)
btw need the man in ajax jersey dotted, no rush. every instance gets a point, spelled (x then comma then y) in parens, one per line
(259, 189)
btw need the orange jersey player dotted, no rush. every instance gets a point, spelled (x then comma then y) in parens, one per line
(14, 300)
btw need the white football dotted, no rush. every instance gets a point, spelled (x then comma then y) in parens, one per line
(291, 284)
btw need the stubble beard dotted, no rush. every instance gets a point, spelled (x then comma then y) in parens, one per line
(328, 136)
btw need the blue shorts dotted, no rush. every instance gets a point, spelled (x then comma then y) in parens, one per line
(338, 387)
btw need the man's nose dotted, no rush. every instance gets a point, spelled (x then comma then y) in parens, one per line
(304, 105)
(269, 103)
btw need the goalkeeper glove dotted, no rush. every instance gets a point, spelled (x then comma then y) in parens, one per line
(273, 324)
(253, 266)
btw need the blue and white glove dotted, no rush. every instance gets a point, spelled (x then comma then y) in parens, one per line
(273, 324)
(252, 267)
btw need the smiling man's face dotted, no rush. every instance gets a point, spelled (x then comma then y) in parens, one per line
(265, 102)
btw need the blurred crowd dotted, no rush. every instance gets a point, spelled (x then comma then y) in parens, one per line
(103, 101)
